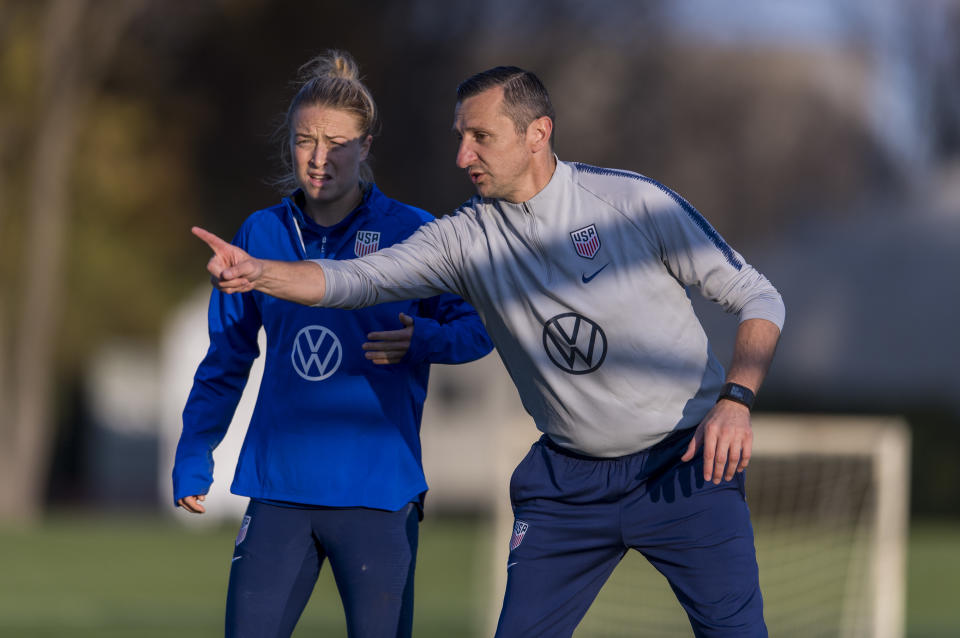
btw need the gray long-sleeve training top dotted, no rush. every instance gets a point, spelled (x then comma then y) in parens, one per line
(583, 289)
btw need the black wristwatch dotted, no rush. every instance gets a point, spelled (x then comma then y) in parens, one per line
(739, 393)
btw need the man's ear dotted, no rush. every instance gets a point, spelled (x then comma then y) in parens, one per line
(538, 133)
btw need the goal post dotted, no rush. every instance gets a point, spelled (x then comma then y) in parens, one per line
(864, 486)
(829, 503)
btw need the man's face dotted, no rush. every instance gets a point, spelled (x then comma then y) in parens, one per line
(327, 147)
(497, 158)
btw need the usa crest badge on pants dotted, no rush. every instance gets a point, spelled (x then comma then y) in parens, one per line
(519, 529)
(244, 526)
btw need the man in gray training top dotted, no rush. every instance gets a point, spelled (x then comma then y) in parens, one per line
(580, 275)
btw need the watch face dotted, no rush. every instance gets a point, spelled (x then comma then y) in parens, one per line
(737, 393)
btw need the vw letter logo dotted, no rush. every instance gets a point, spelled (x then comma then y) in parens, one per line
(574, 343)
(317, 353)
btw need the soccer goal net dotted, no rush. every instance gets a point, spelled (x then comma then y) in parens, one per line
(828, 499)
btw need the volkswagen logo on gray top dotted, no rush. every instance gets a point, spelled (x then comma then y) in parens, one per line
(574, 343)
(317, 353)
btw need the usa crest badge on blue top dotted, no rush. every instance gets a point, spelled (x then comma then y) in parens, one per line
(368, 241)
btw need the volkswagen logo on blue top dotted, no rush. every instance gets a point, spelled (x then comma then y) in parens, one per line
(574, 343)
(317, 353)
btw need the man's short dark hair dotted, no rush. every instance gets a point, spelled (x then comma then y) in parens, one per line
(524, 96)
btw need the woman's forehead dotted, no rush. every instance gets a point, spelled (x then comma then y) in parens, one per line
(326, 119)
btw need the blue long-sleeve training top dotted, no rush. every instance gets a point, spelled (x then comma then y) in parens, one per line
(329, 427)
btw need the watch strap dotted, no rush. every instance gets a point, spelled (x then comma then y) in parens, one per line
(739, 393)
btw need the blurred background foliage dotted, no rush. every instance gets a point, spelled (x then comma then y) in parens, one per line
(822, 138)
(124, 123)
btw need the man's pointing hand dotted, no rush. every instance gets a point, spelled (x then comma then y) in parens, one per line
(231, 268)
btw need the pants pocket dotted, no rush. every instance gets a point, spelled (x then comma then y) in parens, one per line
(520, 479)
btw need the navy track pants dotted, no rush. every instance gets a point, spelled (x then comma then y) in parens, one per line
(576, 517)
(278, 555)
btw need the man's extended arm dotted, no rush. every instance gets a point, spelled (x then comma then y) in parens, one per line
(233, 270)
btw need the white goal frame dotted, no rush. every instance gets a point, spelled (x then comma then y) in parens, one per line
(887, 441)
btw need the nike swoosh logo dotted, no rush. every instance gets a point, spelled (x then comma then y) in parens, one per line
(587, 280)
(235, 559)
(509, 565)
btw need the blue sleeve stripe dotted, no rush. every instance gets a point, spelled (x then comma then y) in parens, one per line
(692, 212)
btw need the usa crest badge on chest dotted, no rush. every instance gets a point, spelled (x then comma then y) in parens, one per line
(586, 241)
(368, 241)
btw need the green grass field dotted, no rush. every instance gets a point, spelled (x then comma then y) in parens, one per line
(123, 578)
(120, 577)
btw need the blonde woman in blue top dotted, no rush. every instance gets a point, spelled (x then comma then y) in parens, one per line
(331, 460)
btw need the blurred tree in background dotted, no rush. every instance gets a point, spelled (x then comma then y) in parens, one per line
(123, 123)
(59, 52)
